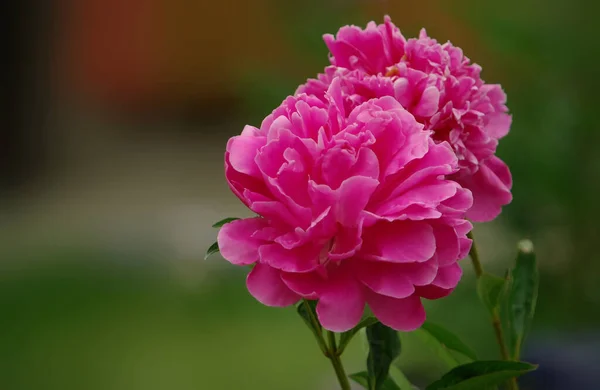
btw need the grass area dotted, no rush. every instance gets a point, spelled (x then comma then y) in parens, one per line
(93, 320)
(76, 325)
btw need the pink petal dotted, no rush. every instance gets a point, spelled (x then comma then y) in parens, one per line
(354, 194)
(301, 259)
(236, 242)
(386, 279)
(432, 292)
(399, 242)
(265, 284)
(347, 242)
(307, 284)
(448, 277)
(465, 247)
(405, 314)
(491, 189)
(421, 274)
(458, 204)
(240, 182)
(498, 124)
(242, 151)
(341, 304)
(439, 160)
(428, 196)
(366, 165)
(448, 247)
(429, 102)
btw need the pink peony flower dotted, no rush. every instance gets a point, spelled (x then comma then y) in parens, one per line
(440, 87)
(354, 208)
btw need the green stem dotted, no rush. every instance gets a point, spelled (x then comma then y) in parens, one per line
(336, 362)
(317, 329)
(474, 254)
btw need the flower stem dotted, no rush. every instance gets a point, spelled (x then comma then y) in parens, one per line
(336, 362)
(474, 254)
(317, 329)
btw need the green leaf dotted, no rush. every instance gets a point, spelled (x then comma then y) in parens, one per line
(214, 248)
(523, 295)
(481, 375)
(401, 380)
(442, 341)
(489, 289)
(362, 378)
(347, 336)
(223, 222)
(384, 348)
(307, 310)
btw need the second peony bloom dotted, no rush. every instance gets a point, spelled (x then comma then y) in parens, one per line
(440, 87)
(355, 207)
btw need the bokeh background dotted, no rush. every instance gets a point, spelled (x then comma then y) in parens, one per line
(111, 147)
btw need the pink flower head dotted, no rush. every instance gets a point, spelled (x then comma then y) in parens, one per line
(354, 208)
(440, 87)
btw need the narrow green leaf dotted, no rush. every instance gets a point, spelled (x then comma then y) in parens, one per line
(362, 378)
(347, 336)
(214, 248)
(523, 295)
(442, 341)
(401, 380)
(489, 289)
(384, 348)
(307, 310)
(449, 339)
(223, 222)
(481, 375)
(438, 348)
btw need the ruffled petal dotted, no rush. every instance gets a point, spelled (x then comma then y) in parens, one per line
(236, 242)
(405, 314)
(265, 284)
(490, 186)
(399, 242)
(341, 304)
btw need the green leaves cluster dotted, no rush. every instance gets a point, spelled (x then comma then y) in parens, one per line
(522, 291)
(384, 348)
(481, 375)
(514, 296)
(444, 343)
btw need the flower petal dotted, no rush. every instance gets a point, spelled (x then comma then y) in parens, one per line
(342, 303)
(399, 242)
(386, 279)
(448, 277)
(265, 284)
(447, 244)
(301, 259)
(432, 292)
(405, 314)
(242, 152)
(353, 196)
(491, 189)
(236, 243)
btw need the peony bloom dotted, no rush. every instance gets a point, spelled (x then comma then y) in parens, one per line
(354, 208)
(440, 87)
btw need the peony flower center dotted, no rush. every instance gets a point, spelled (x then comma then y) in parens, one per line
(392, 71)
(324, 259)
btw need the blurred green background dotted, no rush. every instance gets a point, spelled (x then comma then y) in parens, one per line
(111, 175)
